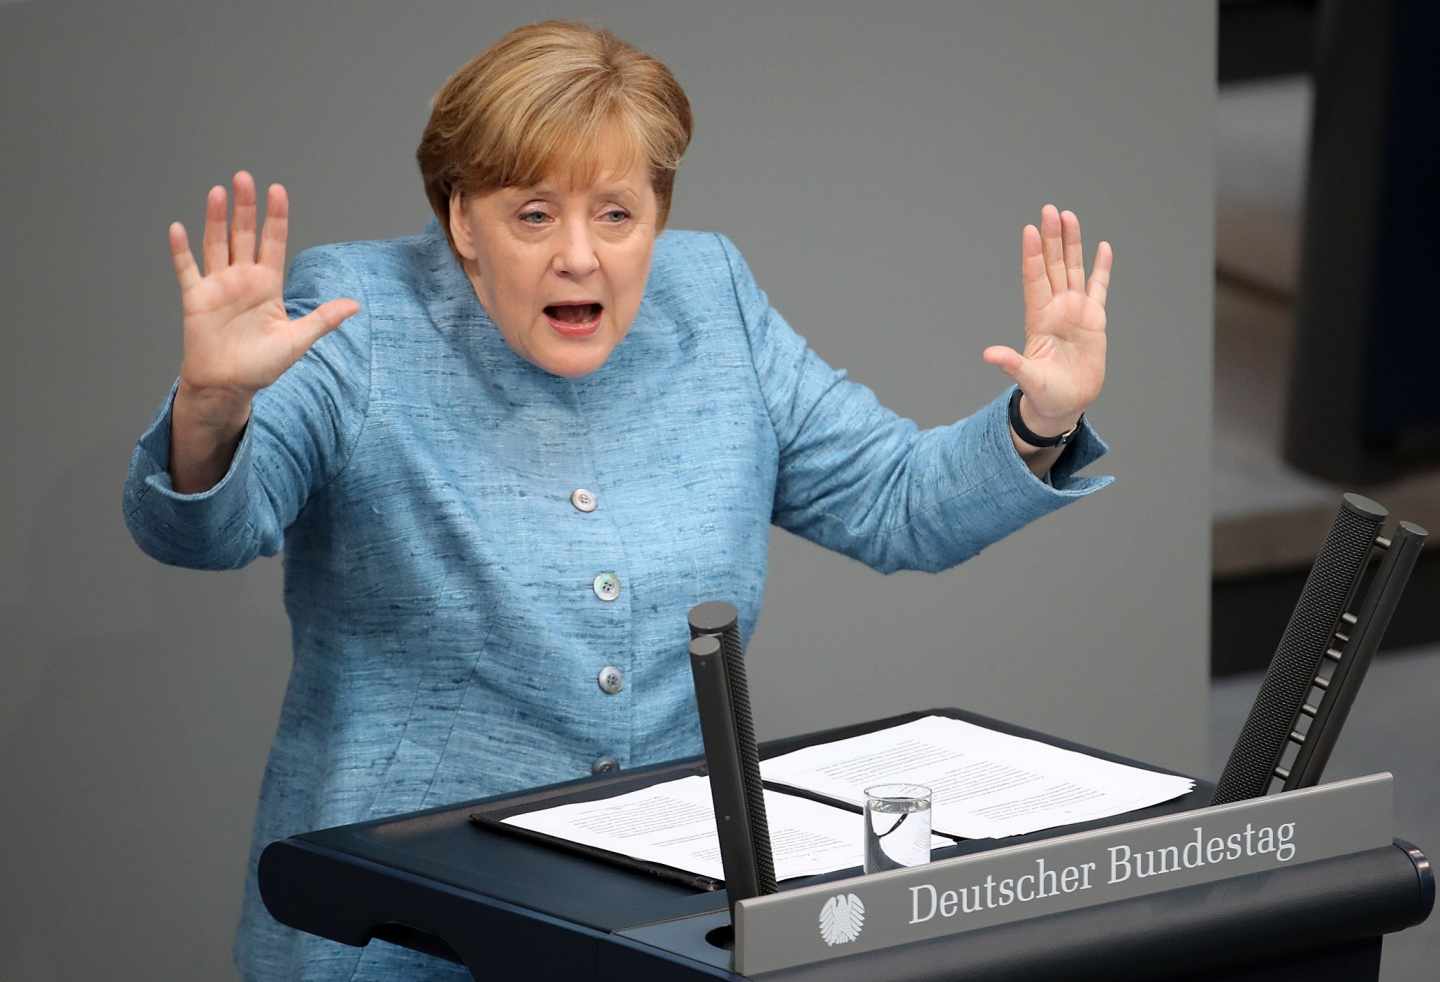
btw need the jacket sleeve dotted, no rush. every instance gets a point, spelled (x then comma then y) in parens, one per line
(301, 432)
(861, 480)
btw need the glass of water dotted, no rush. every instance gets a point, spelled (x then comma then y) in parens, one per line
(897, 826)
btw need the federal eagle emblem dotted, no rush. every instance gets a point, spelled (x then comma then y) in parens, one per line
(842, 918)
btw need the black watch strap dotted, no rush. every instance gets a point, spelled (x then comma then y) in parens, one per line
(1032, 438)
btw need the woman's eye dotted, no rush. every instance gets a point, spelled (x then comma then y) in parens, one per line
(540, 217)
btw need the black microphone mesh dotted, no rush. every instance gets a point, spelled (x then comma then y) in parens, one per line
(722, 620)
(1328, 589)
(734, 658)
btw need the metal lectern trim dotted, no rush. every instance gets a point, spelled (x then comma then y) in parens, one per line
(967, 893)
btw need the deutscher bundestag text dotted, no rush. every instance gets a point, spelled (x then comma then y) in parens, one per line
(1121, 862)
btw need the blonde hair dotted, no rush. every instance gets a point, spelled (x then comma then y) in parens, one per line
(538, 100)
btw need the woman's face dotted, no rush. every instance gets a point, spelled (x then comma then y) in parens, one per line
(533, 252)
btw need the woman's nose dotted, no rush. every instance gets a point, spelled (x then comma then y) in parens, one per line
(577, 253)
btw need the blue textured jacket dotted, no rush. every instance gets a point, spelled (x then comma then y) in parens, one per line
(449, 602)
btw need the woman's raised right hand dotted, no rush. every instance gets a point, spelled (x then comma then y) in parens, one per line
(238, 337)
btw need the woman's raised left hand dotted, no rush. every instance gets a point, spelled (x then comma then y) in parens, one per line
(1063, 366)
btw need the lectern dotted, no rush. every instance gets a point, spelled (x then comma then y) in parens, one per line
(1225, 883)
(506, 907)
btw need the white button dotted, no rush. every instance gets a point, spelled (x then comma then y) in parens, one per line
(611, 680)
(607, 586)
(604, 765)
(582, 499)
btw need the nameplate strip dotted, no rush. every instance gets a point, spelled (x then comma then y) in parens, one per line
(1014, 883)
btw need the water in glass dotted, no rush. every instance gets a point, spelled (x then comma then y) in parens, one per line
(897, 826)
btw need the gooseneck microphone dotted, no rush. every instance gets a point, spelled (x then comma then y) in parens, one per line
(1325, 628)
(1326, 595)
(722, 694)
(1359, 645)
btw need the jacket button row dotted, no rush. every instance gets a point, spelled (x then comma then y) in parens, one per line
(607, 587)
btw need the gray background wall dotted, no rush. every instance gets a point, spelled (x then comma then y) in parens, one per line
(874, 161)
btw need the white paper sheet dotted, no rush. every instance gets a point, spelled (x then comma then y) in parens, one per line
(986, 784)
(674, 823)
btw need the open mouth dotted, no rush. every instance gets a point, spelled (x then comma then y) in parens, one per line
(578, 314)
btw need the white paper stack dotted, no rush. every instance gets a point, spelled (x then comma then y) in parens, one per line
(986, 784)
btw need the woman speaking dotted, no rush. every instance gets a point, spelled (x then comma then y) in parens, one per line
(506, 455)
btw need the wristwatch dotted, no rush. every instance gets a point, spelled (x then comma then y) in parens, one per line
(1034, 439)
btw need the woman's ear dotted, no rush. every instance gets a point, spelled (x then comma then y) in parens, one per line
(460, 227)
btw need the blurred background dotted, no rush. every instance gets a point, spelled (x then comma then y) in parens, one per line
(1265, 170)
(1327, 201)
(1327, 197)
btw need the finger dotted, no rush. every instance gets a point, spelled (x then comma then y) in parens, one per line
(1034, 283)
(242, 230)
(1074, 251)
(320, 322)
(181, 257)
(216, 247)
(1100, 275)
(1008, 360)
(277, 229)
(1054, 252)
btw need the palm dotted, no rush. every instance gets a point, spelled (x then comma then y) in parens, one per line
(1062, 367)
(236, 329)
(1066, 348)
